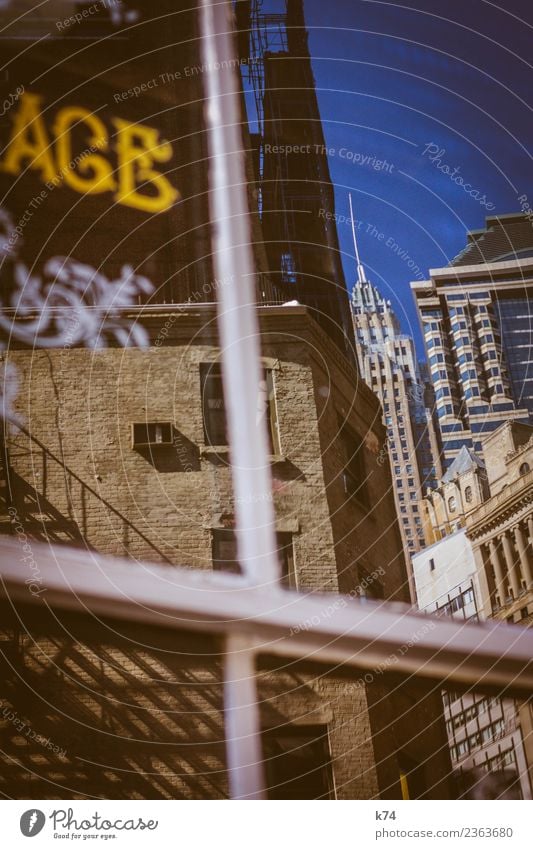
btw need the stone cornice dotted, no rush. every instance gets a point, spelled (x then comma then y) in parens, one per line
(521, 449)
(501, 507)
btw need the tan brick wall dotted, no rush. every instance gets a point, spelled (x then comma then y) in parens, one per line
(77, 479)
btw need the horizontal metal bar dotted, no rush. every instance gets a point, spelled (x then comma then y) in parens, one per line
(325, 628)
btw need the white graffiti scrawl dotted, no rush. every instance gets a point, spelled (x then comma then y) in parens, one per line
(70, 303)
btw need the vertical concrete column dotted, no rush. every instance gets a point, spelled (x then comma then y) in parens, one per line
(500, 575)
(525, 557)
(530, 533)
(511, 564)
(483, 591)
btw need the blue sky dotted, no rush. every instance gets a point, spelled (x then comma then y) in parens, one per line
(392, 79)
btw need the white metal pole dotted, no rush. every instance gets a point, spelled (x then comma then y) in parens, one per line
(360, 270)
(242, 722)
(237, 317)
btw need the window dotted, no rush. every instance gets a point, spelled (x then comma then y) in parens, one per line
(213, 409)
(524, 468)
(354, 470)
(457, 604)
(151, 433)
(369, 585)
(452, 504)
(297, 762)
(468, 494)
(432, 564)
(214, 413)
(467, 597)
(224, 552)
(288, 268)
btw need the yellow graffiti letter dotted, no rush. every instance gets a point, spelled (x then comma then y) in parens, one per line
(97, 169)
(29, 140)
(138, 147)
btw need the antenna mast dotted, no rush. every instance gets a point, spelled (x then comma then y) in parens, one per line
(360, 270)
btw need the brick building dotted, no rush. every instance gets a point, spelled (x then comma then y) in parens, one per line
(127, 456)
(124, 451)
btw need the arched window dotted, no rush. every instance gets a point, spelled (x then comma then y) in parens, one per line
(524, 468)
(468, 494)
(452, 503)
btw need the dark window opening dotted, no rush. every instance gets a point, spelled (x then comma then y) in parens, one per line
(214, 410)
(354, 474)
(288, 268)
(151, 433)
(298, 763)
(224, 551)
(369, 585)
(413, 782)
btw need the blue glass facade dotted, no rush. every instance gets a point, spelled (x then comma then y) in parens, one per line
(515, 317)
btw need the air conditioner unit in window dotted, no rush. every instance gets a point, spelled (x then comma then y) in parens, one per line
(151, 434)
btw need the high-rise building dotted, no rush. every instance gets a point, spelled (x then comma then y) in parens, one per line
(477, 321)
(296, 198)
(388, 364)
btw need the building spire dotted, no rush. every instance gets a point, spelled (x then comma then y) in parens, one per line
(360, 270)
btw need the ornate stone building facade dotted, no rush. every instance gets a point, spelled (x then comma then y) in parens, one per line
(479, 566)
(501, 529)
(461, 489)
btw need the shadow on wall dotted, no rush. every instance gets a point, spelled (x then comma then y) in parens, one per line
(43, 521)
(109, 715)
(181, 455)
(104, 709)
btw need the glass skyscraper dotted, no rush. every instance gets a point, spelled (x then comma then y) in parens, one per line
(477, 321)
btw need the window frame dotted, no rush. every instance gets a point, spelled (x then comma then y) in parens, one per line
(285, 545)
(213, 370)
(354, 467)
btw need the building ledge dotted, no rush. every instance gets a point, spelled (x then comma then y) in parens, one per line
(511, 497)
